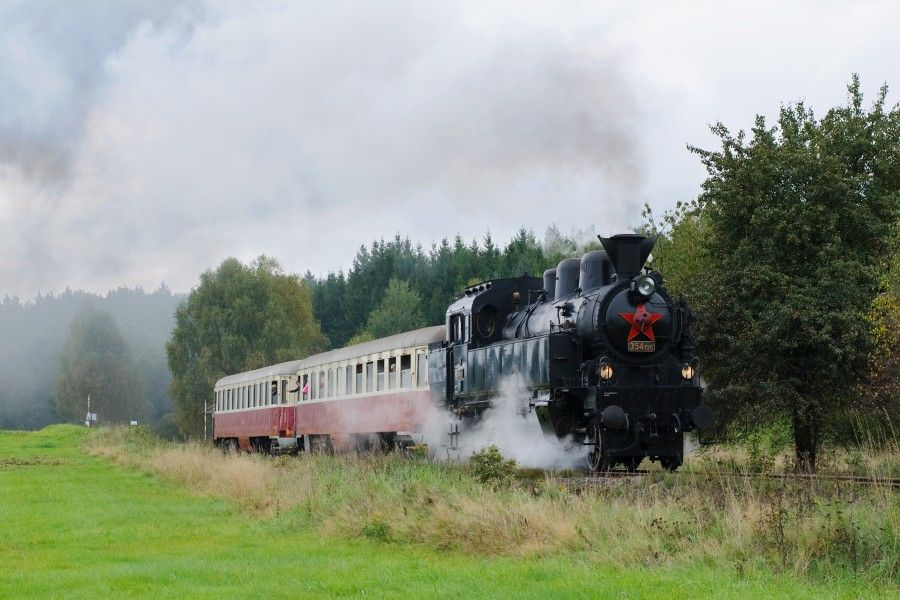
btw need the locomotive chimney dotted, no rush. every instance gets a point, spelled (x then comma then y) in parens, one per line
(628, 252)
(550, 283)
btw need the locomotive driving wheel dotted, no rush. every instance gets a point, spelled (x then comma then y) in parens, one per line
(597, 461)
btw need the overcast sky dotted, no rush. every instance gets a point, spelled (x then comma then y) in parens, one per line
(143, 142)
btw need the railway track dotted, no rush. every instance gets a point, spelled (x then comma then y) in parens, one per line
(576, 482)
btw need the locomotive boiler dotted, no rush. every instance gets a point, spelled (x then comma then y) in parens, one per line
(604, 351)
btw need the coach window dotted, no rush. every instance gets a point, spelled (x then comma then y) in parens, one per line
(359, 379)
(380, 374)
(348, 381)
(321, 381)
(405, 371)
(392, 372)
(273, 392)
(370, 376)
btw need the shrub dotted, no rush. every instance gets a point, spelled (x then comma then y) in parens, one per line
(377, 529)
(491, 468)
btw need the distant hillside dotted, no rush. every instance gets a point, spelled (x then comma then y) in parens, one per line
(33, 332)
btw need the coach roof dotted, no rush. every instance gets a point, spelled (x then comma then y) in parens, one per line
(419, 337)
(279, 370)
(409, 339)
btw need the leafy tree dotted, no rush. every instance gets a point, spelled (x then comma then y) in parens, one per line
(96, 361)
(399, 311)
(240, 317)
(796, 219)
(677, 253)
(359, 338)
(881, 389)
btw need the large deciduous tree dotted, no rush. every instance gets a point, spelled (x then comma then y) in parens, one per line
(96, 362)
(796, 221)
(240, 317)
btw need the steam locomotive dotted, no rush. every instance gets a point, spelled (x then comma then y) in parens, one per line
(604, 350)
(605, 355)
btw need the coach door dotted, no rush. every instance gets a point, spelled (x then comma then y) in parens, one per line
(285, 412)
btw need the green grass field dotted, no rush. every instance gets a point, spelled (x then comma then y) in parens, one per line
(75, 525)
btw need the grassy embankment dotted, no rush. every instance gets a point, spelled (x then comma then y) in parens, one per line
(189, 521)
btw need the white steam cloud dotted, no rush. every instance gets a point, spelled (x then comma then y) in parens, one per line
(142, 141)
(510, 425)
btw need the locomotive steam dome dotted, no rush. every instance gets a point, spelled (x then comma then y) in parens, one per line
(638, 328)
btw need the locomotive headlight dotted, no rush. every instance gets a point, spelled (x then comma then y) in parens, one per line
(605, 371)
(645, 286)
(687, 371)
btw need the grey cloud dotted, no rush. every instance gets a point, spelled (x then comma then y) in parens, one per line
(53, 64)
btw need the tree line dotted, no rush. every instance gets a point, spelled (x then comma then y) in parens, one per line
(395, 285)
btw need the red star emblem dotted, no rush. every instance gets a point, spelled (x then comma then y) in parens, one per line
(641, 322)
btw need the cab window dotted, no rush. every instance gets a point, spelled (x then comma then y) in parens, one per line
(458, 328)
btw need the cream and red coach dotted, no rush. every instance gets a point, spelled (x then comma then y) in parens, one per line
(353, 396)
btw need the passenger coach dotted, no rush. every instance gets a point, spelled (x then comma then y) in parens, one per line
(371, 393)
